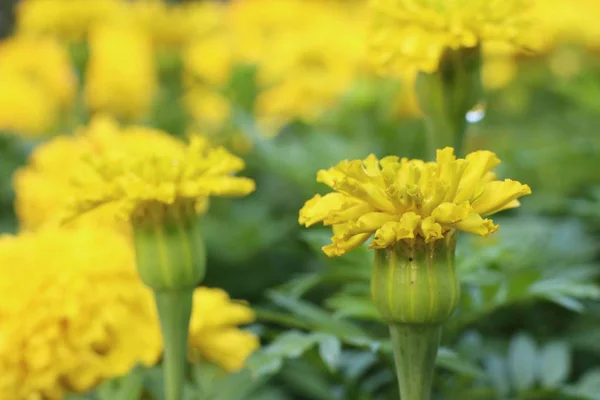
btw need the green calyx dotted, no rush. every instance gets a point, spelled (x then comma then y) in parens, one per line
(415, 282)
(169, 249)
(446, 95)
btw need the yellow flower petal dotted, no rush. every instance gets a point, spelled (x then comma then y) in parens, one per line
(499, 195)
(319, 207)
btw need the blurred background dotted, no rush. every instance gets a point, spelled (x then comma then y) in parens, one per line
(288, 86)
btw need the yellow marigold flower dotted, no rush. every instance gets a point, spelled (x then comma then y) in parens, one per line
(66, 19)
(400, 199)
(74, 313)
(414, 34)
(33, 93)
(214, 335)
(121, 77)
(142, 171)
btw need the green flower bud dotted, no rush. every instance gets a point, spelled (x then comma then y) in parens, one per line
(415, 282)
(169, 247)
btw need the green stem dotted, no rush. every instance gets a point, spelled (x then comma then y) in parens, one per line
(415, 349)
(174, 311)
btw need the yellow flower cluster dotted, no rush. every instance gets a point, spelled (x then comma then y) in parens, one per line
(90, 318)
(308, 54)
(166, 24)
(121, 76)
(414, 34)
(400, 199)
(33, 93)
(302, 68)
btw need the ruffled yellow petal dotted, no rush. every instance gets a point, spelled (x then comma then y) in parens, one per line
(319, 207)
(450, 213)
(479, 164)
(368, 223)
(477, 225)
(431, 230)
(392, 232)
(499, 195)
(341, 246)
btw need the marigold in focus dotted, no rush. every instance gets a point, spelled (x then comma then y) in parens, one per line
(399, 199)
(414, 34)
(121, 74)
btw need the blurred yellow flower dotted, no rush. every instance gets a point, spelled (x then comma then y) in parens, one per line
(42, 187)
(121, 74)
(66, 19)
(214, 335)
(569, 21)
(209, 108)
(400, 199)
(34, 93)
(213, 70)
(74, 313)
(142, 171)
(175, 25)
(302, 68)
(413, 34)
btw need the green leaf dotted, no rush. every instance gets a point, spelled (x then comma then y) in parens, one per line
(588, 385)
(452, 361)
(522, 355)
(554, 364)
(330, 350)
(497, 371)
(269, 360)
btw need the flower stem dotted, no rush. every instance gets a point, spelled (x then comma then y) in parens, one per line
(415, 349)
(174, 311)
(446, 95)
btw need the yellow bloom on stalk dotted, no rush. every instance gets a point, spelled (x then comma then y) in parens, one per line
(142, 171)
(121, 74)
(214, 335)
(414, 34)
(399, 199)
(75, 313)
(34, 93)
